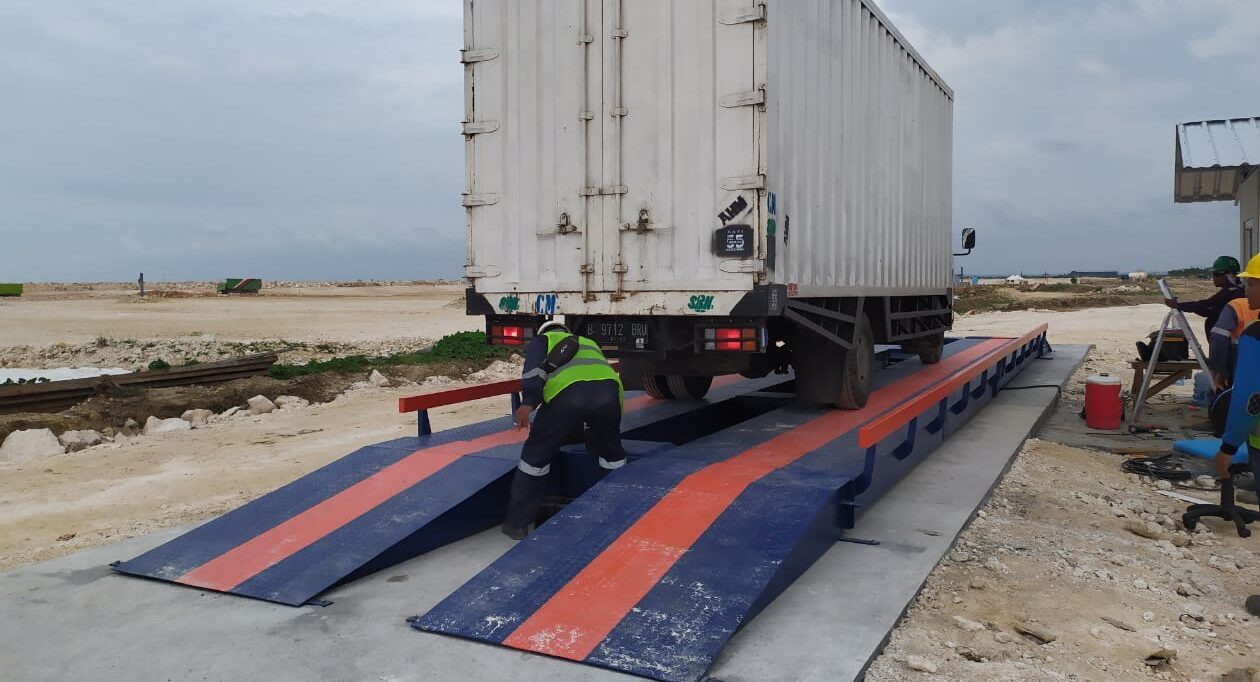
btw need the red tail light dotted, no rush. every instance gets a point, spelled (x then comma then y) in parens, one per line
(731, 339)
(510, 335)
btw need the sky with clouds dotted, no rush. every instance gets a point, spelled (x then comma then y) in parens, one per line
(319, 139)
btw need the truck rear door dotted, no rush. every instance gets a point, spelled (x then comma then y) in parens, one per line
(533, 129)
(684, 142)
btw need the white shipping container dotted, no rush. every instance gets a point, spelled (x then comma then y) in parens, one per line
(609, 140)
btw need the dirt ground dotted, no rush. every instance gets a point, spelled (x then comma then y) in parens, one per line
(1051, 550)
(313, 315)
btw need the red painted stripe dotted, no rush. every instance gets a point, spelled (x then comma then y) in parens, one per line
(582, 613)
(889, 423)
(250, 558)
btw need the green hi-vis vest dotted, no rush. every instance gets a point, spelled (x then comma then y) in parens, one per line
(588, 365)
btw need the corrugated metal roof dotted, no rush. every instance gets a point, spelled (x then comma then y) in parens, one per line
(1213, 158)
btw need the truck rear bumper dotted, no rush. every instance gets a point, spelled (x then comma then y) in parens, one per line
(766, 300)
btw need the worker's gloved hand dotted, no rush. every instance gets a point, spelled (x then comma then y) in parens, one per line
(522, 416)
(1169, 302)
(1222, 461)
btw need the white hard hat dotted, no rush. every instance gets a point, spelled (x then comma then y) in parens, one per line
(550, 325)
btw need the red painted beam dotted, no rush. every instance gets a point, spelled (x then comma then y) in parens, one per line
(889, 423)
(455, 396)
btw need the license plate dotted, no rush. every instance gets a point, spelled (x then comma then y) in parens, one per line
(617, 333)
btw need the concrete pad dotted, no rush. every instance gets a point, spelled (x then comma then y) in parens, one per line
(72, 618)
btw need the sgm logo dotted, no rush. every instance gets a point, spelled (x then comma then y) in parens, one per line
(701, 304)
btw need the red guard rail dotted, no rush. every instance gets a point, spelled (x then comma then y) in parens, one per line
(421, 404)
(886, 425)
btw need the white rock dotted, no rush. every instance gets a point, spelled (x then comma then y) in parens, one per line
(291, 402)
(967, 625)
(1148, 617)
(995, 565)
(1205, 482)
(197, 418)
(378, 379)
(1001, 637)
(154, 426)
(1140, 584)
(260, 404)
(79, 440)
(1163, 484)
(29, 444)
(230, 412)
(439, 381)
(920, 664)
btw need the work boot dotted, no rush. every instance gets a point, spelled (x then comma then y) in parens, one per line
(516, 532)
(1253, 605)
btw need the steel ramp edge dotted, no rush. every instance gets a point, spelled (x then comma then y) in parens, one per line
(373, 508)
(655, 568)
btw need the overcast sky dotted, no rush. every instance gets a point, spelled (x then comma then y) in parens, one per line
(319, 139)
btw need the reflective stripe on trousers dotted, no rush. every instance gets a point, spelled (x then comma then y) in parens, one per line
(537, 472)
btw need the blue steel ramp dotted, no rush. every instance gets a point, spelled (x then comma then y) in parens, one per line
(655, 568)
(374, 508)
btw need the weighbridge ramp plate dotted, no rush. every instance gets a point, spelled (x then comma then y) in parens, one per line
(655, 568)
(376, 507)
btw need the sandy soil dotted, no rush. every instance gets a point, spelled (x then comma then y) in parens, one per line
(306, 314)
(1052, 552)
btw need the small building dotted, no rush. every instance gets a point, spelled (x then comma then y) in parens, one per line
(1015, 279)
(1217, 161)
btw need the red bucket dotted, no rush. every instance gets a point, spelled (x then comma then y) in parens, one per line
(1103, 408)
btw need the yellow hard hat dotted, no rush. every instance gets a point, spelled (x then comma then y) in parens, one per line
(1253, 269)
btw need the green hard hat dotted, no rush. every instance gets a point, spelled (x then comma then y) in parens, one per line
(1227, 265)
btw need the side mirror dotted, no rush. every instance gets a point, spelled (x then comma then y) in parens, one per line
(969, 238)
(968, 241)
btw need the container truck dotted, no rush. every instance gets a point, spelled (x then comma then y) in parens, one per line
(709, 188)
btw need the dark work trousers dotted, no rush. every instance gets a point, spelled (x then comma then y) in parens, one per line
(593, 404)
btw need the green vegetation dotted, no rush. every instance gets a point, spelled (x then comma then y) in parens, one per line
(21, 382)
(7, 289)
(464, 346)
(1191, 273)
(159, 364)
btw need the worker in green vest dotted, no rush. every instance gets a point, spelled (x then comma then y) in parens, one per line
(569, 382)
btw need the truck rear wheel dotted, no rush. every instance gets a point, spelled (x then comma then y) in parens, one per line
(656, 386)
(858, 368)
(688, 388)
(929, 348)
(827, 374)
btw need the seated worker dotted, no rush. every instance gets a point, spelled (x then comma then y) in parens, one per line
(1225, 277)
(1243, 424)
(1225, 333)
(584, 391)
